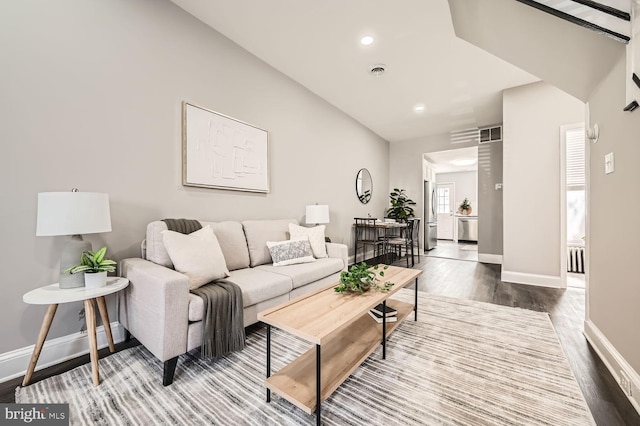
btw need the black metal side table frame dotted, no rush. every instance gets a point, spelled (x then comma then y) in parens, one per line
(319, 358)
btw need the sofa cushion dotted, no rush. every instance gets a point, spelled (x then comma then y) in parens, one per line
(232, 242)
(230, 237)
(258, 286)
(197, 255)
(315, 235)
(196, 307)
(306, 273)
(290, 252)
(258, 232)
(156, 252)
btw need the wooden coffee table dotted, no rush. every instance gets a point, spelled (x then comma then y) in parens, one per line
(343, 333)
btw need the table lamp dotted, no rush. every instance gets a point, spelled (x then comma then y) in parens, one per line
(317, 214)
(72, 213)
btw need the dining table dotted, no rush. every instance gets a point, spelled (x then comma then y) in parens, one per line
(383, 230)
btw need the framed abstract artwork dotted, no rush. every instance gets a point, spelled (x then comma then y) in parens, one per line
(221, 152)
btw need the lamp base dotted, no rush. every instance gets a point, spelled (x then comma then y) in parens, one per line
(70, 256)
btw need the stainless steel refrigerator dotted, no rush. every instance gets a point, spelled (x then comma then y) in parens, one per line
(430, 216)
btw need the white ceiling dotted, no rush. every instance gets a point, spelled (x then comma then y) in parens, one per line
(318, 45)
(442, 161)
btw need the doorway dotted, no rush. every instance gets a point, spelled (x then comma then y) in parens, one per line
(455, 172)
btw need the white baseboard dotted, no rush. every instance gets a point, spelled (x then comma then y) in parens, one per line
(613, 361)
(531, 279)
(14, 363)
(490, 258)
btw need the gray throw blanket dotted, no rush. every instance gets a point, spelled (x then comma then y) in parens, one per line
(222, 316)
(223, 321)
(183, 226)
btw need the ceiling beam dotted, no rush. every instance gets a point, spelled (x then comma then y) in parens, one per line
(581, 22)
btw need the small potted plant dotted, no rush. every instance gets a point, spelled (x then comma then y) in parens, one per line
(400, 209)
(95, 268)
(465, 207)
(362, 277)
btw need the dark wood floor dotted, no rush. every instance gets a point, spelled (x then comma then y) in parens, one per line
(477, 281)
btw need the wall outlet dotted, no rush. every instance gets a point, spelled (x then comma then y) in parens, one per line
(625, 383)
(498, 186)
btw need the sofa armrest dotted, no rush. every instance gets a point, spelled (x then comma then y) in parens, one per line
(338, 251)
(154, 308)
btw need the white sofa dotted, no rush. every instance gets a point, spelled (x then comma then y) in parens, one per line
(158, 309)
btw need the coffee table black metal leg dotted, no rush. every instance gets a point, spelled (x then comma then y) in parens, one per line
(415, 305)
(268, 360)
(318, 385)
(384, 330)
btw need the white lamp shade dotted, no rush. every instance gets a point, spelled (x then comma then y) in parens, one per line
(318, 213)
(72, 213)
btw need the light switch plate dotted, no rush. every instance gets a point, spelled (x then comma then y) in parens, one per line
(609, 165)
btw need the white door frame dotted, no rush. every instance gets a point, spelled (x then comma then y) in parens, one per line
(563, 200)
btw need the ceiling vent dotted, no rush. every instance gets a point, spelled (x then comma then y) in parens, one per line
(490, 134)
(377, 70)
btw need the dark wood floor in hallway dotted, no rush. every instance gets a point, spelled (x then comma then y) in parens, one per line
(477, 281)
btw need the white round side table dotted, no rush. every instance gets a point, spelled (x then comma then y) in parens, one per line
(53, 295)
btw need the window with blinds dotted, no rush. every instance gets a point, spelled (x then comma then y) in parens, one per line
(575, 159)
(576, 185)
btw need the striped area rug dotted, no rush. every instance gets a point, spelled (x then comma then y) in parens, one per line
(462, 363)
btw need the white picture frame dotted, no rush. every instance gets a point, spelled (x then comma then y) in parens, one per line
(222, 152)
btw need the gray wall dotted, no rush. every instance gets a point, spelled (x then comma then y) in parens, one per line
(490, 199)
(90, 97)
(532, 118)
(614, 286)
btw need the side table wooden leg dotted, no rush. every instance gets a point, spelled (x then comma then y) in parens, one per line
(44, 330)
(90, 315)
(104, 315)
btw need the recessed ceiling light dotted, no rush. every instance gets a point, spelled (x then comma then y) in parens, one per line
(463, 162)
(366, 40)
(419, 108)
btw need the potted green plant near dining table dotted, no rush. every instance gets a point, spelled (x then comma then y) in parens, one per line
(400, 209)
(95, 267)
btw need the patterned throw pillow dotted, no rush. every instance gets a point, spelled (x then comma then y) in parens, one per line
(316, 238)
(290, 252)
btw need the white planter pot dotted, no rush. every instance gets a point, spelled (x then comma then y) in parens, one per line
(95, 279)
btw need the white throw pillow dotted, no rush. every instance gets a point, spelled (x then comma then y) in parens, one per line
(197, 255)
(315, 235)
(290, 252)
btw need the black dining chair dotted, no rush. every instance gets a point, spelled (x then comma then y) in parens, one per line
(404, 240)
(367, 236)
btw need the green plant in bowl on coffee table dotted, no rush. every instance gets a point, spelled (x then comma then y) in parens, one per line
(362, 277)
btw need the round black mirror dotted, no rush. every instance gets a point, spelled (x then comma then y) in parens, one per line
(364, 186)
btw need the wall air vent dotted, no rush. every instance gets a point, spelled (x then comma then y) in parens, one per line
(490, 134)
